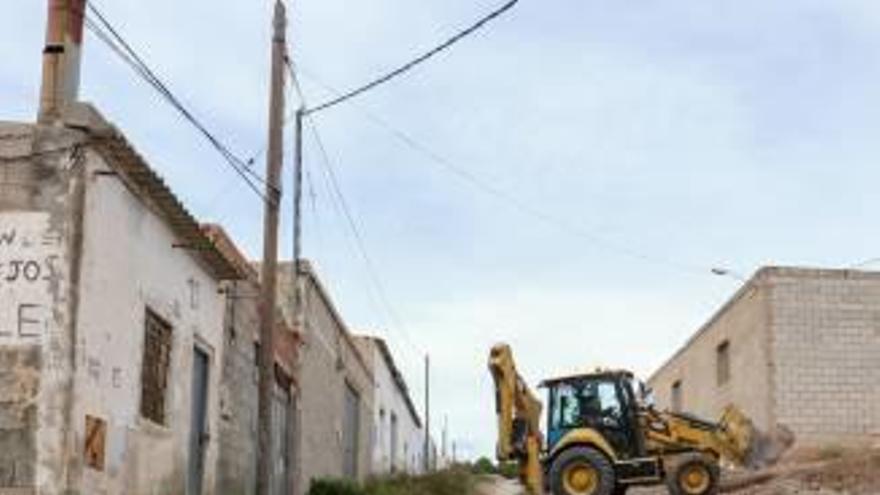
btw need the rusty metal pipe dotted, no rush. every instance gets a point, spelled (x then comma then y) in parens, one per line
(61, 57)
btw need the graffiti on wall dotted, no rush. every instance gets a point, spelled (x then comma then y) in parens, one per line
(30, 258)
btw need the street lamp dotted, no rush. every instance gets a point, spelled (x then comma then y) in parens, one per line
(725, 272)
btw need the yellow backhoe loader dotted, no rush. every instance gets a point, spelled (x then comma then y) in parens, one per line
(603, 438)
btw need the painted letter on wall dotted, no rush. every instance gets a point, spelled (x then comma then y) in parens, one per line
(30, 254)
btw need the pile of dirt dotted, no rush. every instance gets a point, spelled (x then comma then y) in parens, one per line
(849, 473)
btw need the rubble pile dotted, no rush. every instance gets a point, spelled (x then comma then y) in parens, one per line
(851, 473)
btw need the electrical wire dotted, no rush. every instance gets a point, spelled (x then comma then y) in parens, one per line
(105, 32)
(360, 244)
(500, 194)
(416, 61)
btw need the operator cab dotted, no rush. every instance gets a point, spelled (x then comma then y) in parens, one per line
(604, 401)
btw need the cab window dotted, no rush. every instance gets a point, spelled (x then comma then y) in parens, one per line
(575, 403)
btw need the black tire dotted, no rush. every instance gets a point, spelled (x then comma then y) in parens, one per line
(584, 457)
(679, 469)
(620, 490)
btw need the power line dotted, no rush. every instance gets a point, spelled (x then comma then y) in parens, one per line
(338, 199)
(524, 207)
(105, 31)
(416, 61)
(291, 114)
(372, 272)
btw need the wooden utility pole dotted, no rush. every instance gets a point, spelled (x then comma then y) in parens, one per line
(427, 413)
(268, 280)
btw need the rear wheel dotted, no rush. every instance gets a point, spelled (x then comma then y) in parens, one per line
(582, 471)
(693, 474)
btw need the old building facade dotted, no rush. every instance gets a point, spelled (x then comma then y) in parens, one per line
(794, 346)
(398, 437)
(237, 435)
(111, 319)
(336, 387)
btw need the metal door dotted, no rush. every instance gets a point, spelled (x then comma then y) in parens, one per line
(280, 440)
(351, 432)
(198, 436)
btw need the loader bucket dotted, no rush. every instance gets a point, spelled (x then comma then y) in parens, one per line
(750, 446)
(768, 448)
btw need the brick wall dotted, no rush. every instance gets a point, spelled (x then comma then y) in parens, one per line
(826, 341)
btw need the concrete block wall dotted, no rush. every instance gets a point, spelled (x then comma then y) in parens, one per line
(826, 342)
(805, 353)
(743, 323)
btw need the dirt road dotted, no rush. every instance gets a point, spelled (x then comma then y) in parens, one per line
(856, 473)
(496, 485)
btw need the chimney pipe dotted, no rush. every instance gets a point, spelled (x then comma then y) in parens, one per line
(61, 58)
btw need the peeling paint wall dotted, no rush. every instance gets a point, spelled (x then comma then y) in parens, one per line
(82, 258)
(129, 266)
(40, 177)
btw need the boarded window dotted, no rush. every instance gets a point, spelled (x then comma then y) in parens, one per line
(154, 372)
(96, 439)
(676, 396)
(723, 362)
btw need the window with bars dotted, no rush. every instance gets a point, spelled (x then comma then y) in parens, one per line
(723, 362)
(155, 368)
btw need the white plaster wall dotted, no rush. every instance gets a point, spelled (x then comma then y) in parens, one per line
(388, 397)
(128, 265)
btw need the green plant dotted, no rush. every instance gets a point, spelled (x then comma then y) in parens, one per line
(484, 466)
(509, 470)
(335, 487)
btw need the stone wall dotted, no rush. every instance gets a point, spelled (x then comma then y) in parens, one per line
(827, 346)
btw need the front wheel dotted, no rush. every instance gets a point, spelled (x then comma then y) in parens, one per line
(693, 474)
(582, 471)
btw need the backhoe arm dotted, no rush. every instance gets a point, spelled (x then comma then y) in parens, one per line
(519, 416)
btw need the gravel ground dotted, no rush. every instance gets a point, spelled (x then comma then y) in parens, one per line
(852, 474)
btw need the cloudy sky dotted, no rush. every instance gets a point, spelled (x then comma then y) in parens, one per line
(569, 174)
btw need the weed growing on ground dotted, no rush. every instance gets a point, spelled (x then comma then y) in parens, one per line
(455, 482)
